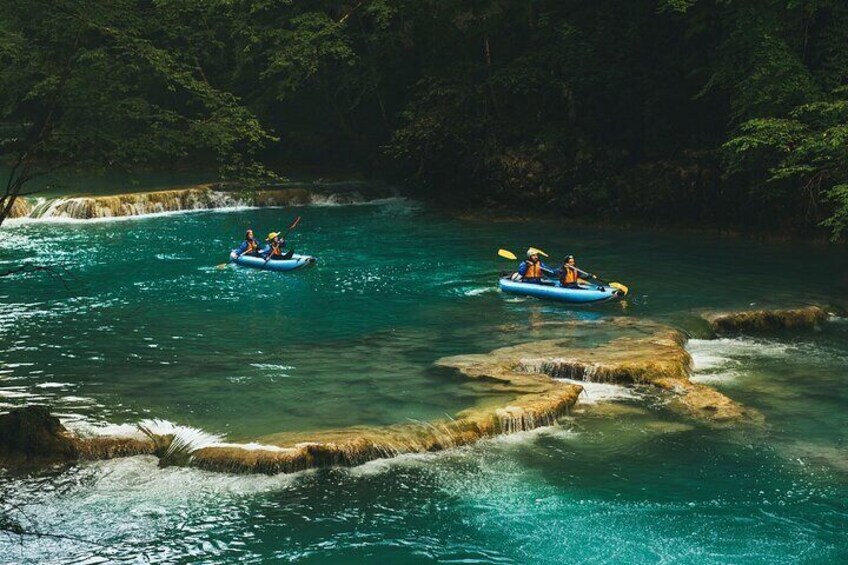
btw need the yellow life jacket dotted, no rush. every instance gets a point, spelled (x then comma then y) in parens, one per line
(534, 270)
(569, 275)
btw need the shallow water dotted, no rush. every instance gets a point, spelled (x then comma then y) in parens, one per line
(150, 327)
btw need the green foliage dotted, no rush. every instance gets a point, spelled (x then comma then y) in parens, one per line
(838, 222)
(93, 84)
(678, 6)
(806, 153)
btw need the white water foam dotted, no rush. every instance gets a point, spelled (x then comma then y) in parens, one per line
(68, 220)
(88, 428)
(187, 439)
(479, 291)
(722, 360)
(593, 393)
(272, 367)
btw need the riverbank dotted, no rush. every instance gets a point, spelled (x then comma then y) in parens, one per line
(109, 198)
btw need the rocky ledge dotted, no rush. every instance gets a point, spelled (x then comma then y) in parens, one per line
(527, 378)
(768, 320)
(647, 353)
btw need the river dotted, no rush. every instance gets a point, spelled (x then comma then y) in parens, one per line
(147, 324)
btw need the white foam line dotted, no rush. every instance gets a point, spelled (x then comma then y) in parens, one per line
(594, 393)
(66, 220)
(253, 446)
(13, 222)
(186, 438)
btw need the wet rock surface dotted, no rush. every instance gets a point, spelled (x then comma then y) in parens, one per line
(32, 434)
(647, 353)
(767, 320)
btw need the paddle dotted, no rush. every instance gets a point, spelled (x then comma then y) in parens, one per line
(507, 254)
(291, 227)
(615, 285)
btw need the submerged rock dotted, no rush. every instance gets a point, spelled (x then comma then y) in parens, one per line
(766, 320)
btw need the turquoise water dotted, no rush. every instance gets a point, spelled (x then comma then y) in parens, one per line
(148, 326)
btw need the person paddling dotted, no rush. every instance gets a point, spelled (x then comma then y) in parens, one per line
(569, 275)
(274, 249)
(250, 246)
(532, 269)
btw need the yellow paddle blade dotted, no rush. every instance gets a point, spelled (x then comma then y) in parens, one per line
(507, 254)
(539, 251)
(620, 287)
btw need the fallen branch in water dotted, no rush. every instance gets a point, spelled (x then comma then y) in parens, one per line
(57, 272)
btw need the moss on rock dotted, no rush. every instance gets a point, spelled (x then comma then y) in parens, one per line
(766, 320)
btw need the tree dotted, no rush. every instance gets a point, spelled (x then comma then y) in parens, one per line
(91, 83)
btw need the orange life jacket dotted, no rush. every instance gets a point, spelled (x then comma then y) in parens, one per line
(276, 251)
(252, 246)
(534, 270)
(569, 275)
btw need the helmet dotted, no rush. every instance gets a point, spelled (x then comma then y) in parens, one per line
(531, 252)
(272, 235)
(567, 258)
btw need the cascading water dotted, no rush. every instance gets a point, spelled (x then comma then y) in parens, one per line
(196, 198)
(186, 440)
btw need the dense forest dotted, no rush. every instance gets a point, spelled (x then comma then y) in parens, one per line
(725, 113)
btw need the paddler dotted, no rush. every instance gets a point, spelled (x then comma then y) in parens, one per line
(250, 246)
(569, 275)
(532, 269)
(274, 249)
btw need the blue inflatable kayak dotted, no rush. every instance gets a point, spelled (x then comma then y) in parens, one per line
(296, 262)
(584, 294)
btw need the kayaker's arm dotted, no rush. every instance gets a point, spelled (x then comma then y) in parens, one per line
(241, 249)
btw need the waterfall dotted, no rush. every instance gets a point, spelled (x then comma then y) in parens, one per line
(195, 198)
(134, 204)
(574, 370)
